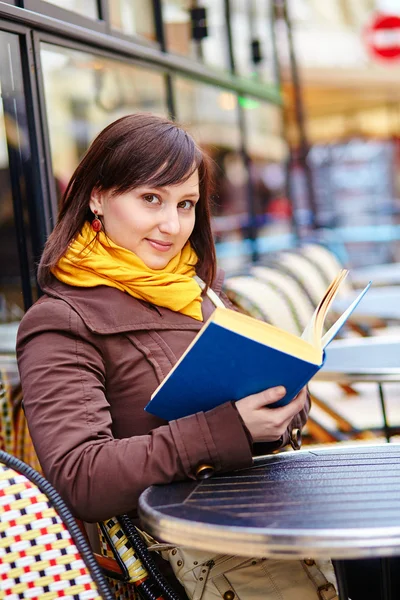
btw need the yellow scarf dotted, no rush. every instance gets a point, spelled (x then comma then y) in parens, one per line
(89, 263)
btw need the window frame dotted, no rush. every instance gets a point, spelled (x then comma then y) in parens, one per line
(37, 206)
(41, 7)
(67, 31)
(138, 39)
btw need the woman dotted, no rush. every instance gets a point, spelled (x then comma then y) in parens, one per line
(120, 306)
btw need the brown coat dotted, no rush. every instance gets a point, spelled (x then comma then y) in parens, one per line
(89, 360)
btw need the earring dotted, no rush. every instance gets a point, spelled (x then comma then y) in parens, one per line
(96, 223)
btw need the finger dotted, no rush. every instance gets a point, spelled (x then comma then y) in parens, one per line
(301, 392)
(287, 412)
(268, 396)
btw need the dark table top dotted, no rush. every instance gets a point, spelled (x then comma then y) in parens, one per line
(338, 502)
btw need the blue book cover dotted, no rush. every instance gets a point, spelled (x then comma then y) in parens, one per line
(234, 356)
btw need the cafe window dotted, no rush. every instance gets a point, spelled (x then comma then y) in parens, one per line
(17, 279)
(211, 116)
(211, 49)
(84, 93)
(133, 17)
(85, 8)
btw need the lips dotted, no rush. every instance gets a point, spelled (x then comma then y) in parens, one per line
(159, 245)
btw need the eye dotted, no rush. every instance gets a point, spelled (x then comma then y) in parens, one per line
(187, 204)
(151, 199)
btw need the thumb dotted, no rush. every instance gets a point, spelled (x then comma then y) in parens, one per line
(268, 396)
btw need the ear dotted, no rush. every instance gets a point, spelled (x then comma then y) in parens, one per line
(96, 202)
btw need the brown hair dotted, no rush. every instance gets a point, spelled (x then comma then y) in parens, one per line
(135, 150)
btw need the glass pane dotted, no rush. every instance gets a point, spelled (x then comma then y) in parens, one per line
(261, 25)
(84, 93)
(133, 17)
(213, 49)
(250, 22)
(241, 34)
(215, 45)
(11, 301)
(86, 8)
(268, 153)
(211, 115)
(177, 27)
(15, 244)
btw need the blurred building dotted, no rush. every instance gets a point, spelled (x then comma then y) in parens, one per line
(348, 76)
(70, 67)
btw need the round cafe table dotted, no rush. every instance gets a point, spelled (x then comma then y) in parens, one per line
(337, 502)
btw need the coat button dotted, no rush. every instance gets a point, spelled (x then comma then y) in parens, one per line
(204, 471)
(229, 595)
(295, 439)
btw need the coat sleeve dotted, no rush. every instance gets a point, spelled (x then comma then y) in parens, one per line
(63, 378)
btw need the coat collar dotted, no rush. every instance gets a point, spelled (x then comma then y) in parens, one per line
(106, 310)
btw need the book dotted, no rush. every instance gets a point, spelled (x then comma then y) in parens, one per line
(235, 355)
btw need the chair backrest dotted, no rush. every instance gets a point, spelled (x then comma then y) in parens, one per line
(43, 553)
(300, 304)
(327, 263)
(14, 434)
(262, 301)
(303, 271)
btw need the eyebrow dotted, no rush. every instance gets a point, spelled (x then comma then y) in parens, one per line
(194, 195)
(162, 188)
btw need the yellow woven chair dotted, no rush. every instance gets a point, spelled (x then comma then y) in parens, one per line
(43, 553)
(118, 560)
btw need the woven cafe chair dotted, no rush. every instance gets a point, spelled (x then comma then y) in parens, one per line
(313, 268)
(303, 271)
(300, 304)
(43, 553)
(118, 539)
(262, 301)
(327, 263)
(14, 433)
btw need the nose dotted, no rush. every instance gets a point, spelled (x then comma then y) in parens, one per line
(170, 223)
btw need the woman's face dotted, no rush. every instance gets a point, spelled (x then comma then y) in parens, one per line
(154, 223)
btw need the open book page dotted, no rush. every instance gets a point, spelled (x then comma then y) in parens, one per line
(330, 334)
(313, 332)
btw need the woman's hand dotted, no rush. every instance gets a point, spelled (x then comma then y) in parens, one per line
(269, 424)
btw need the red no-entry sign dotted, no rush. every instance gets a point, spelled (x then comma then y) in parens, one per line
(383, 37)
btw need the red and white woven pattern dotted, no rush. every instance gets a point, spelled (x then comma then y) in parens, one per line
(38, 557)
